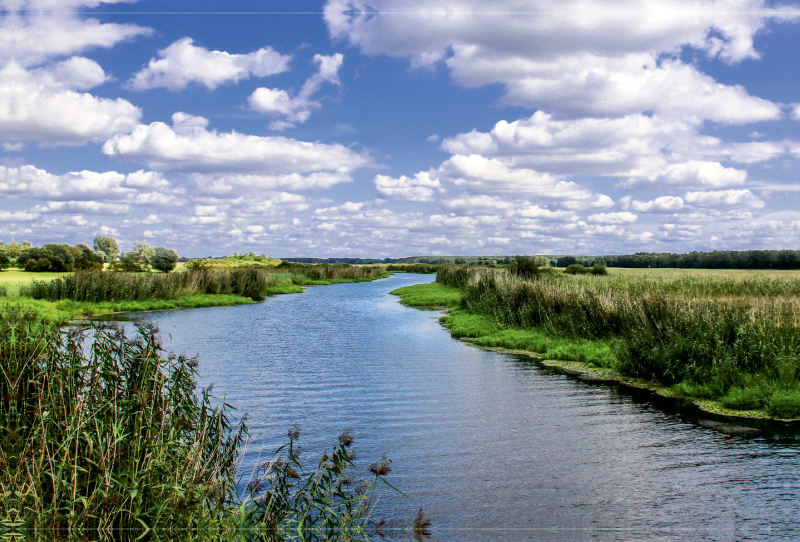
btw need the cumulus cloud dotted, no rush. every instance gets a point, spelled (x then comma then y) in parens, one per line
(613, 218)
(664, 204)
(421, 187)
(189, 147)
(694, 173)
(30, 34)
(33, 183)
(296, 109)
(573, 56)
(41, 105)
(718, 198)
(183, 63)
(492, 176)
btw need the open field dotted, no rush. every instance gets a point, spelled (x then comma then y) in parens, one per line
(729, 340)
(13, 278)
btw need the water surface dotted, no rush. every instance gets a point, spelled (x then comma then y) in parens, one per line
(492, 446)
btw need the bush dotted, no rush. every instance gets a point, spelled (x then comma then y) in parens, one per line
(5, 261)
(53, 257)
(131, 262)
(599, 269)
(576, 269)
(785, 404)
(163, 259)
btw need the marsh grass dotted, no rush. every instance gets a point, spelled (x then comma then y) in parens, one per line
(99, 287)
(720, 337)
(105, 433)
(432, 294)
(110, 435)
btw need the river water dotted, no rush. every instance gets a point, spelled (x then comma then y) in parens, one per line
(491, 446)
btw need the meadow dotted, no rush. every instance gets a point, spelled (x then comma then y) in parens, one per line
(727, 339)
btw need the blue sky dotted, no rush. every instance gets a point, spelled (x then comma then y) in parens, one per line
(388, 128)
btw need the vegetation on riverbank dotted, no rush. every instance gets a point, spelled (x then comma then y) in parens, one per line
(729, 339)
(113, 436)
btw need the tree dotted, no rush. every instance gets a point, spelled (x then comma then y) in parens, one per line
(5, 261)
(144, 249)
(163, 259)
(108, 246)
(131, 262)
(460, 260)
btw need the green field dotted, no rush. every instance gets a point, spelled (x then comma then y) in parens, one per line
(13, 278)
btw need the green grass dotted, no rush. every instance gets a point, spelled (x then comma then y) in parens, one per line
(429, 295)
(729, 340)
(12, 279)
(63, 312)
(484, 331)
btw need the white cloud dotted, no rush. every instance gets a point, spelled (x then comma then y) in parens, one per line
(188, 147)
(664, 204)
(183, 63)
(35, 36)
(419, 188)
(719, 198)
(694, 173)
(573, 56)
(40, 106)
(613, 218)
(492, 176)
(16, 146)
(32, 183)
(298, 109)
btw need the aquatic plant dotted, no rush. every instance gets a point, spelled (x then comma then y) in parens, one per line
(105, 432)
(99, 287)
(716, 336)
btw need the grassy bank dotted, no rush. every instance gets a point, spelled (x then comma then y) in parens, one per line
(728, 341)
(62, 297)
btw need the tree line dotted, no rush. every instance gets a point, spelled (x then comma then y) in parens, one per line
(718, 259)
(53, 257)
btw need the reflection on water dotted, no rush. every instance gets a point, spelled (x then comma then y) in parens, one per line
(492, 446)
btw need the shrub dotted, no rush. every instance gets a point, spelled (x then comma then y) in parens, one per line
(5, 261)
(131, 262)
(53, 257)
(164, 259)
(785, 404)
(576, 269)
(599, 269)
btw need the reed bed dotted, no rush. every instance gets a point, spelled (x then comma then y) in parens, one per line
(736, 341)
(101, 287)
(332, 272)
(424, 268)
(107, 433)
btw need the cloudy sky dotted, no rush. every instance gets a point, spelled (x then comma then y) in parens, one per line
(389, 128)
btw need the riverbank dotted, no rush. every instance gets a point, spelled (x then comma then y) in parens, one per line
(594, 360)
(53, 295)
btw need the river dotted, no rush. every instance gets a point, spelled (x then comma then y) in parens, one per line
(491, 446)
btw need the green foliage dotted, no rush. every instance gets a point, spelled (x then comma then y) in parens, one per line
(423, 268)
(108, 246)
(288, 499)
(429, 295)
(100, 287)
(110, 437)
(131, 262)
(105, 432)
(735, 341)
(5, 261)
(164, 259)
(198, 265)
(599, 269)
(53, 257)
(577, 269)
(527, 267)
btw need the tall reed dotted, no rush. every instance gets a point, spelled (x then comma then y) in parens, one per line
(99, 287)
(717, 335)
(105, 432)
(110, 435)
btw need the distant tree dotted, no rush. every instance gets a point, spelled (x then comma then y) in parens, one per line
(144, 250)
(566, 261)
(88, 259)
(131, 262)
(108, 246)
(5, 261)
(163, 259)
(460, 260)
(577, 269)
